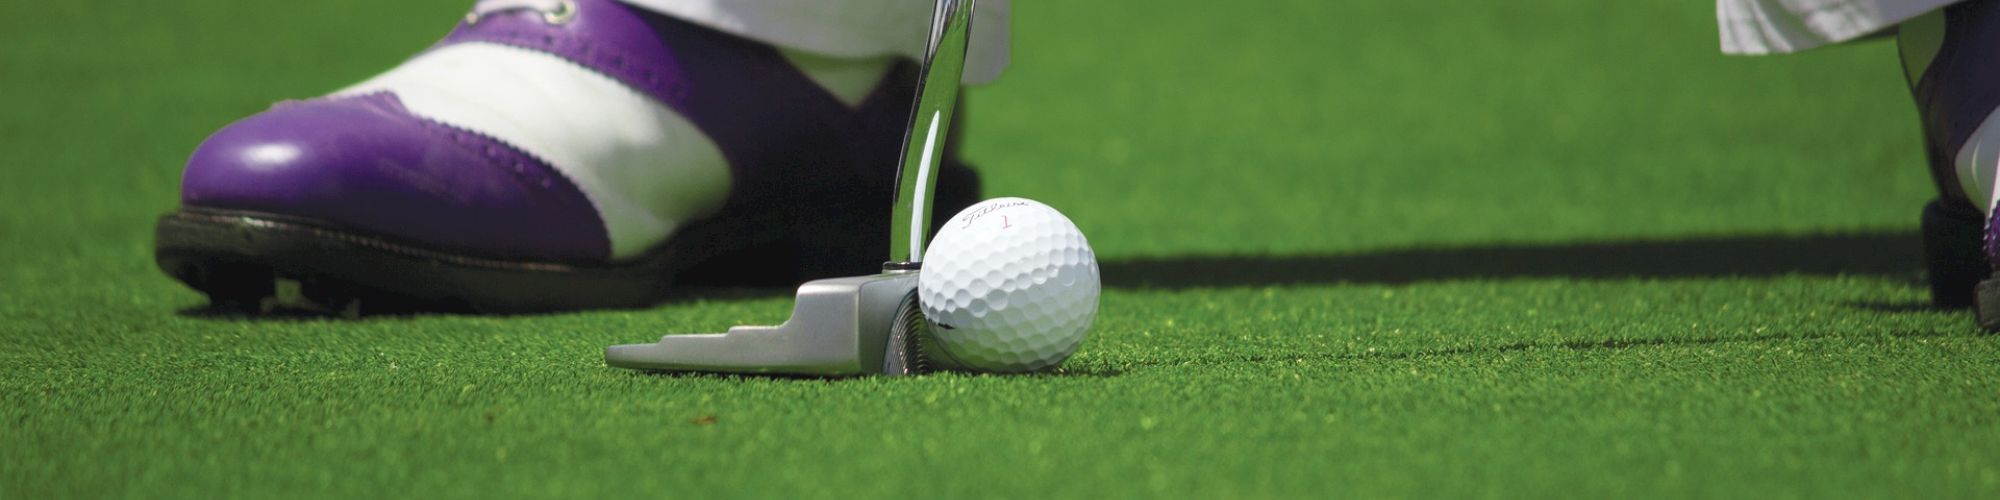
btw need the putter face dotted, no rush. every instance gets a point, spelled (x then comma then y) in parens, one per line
(839, 327)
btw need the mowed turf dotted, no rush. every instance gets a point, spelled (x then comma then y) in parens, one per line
(1377, 249)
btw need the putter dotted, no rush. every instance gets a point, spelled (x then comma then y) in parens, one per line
(857, 325)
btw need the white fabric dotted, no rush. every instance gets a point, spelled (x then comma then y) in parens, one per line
(849, 28)
(647, 170)
(1977, 162)
(1753, 27)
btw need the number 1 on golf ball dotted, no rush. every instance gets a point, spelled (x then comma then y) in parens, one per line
(1009, 285)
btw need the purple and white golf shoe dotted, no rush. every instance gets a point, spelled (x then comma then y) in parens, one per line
(1948, 56)
(551, 155)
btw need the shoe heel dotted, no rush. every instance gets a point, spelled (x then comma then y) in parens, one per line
(1988, 312)
(1953, 262)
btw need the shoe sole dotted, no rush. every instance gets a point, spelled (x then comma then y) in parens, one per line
(259, 262)
(1988, 312)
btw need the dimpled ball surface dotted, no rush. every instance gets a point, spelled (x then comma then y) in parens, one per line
(1010, 285)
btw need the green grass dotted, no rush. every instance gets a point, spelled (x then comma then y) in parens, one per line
(1374, 249)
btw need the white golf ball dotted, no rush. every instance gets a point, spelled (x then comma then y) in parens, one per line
(1009, 285)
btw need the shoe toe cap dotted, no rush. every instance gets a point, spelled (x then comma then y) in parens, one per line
(364, 164)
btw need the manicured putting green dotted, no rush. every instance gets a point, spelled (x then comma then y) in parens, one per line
(1370, 249)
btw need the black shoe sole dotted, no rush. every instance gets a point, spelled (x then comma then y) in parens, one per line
(244, 260)
(1988, 312)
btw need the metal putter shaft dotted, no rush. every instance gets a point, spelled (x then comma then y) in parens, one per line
(855, 325)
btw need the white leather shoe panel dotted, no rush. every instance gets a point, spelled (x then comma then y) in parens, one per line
(648, 171)
(1977, 162)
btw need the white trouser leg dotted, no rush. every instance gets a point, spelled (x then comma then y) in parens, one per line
(1779, 26)
(848, 28)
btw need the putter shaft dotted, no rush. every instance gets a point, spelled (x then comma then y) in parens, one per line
(930, 122)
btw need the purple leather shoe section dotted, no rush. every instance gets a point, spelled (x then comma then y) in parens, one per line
(771, 122)
(365, 164)
(1955, 95)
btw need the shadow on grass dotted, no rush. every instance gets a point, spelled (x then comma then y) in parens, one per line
(1884, 254)
(1568, 345)
(1620, 344)
(1887, 254)
(1886, 307)
(1060, 373)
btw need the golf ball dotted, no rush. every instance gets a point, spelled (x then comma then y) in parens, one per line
(1009, 285)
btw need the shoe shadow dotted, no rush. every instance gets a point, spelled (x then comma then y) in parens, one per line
(1887, 307)
(213, 311)
(1059, 373)
(1569, 345)
(1895, 255)
(1884, 254)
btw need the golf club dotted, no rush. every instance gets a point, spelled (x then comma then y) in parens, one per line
(855, 325)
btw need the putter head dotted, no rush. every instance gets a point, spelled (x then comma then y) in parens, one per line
(857, 325)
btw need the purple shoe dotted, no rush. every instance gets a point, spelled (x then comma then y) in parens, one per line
(1948, 56)
(552, 155)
